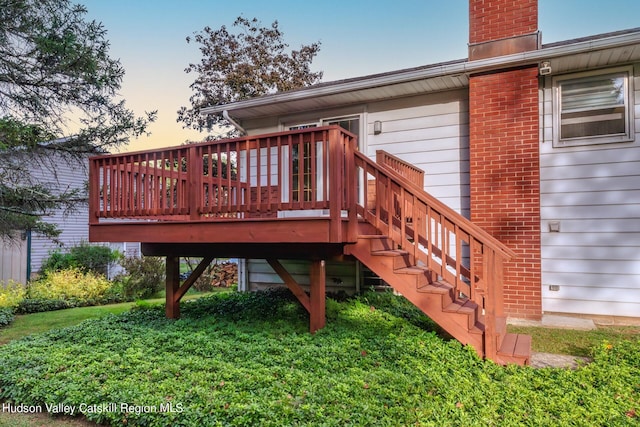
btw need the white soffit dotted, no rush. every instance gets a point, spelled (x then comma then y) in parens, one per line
(573, 55)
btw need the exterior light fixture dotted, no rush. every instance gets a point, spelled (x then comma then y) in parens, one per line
(377, 127)
(545, 68)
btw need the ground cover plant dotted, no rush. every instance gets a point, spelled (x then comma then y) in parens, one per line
(247, 359)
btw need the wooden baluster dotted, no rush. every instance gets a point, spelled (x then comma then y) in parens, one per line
(280, 177)
(458, 243)
(258, 176)
(232, 192)
(269, 183)
(194, 177)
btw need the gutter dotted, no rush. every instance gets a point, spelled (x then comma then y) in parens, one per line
(235, 124)
(456, 68)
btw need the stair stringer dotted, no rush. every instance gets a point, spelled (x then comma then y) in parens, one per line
(430, 303)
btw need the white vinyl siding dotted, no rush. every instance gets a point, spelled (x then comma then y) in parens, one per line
(340, 276)
(432, 133)
(593, 191)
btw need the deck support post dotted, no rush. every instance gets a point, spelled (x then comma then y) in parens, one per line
(315, 303)
(172, 284)
(317, 317)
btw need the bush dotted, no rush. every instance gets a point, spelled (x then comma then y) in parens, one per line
(11, 294)
(83, 256)
(70, 285)
(35, 305)
(6, 316)
(145, 276)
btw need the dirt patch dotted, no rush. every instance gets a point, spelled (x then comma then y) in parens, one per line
(549, 360)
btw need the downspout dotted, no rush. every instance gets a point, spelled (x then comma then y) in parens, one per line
(235, 124)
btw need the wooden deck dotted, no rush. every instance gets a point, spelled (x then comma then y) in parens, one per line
(307, 194)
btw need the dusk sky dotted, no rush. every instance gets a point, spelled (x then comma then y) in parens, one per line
(358, 37)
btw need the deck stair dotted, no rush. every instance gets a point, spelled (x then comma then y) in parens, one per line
(459, 316)
(447, 266)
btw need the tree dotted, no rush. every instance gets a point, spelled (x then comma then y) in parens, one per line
(57, 82)
(248, 63)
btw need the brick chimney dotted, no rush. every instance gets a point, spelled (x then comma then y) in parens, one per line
(504, 145)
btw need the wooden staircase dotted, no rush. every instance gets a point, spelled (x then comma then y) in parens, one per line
(460, 317)
(437, 259)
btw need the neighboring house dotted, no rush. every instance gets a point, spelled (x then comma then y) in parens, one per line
(536, 143)
(23, 259)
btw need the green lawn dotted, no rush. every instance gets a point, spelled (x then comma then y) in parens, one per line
(247, 359)
(575, 342)
(40, 322)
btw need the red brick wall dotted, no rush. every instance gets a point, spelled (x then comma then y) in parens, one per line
(505, 177)
(498, 19)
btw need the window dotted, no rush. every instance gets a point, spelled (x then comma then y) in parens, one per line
(351, 124)
(593, 109)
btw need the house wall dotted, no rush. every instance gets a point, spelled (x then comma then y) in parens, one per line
(13, 261)
(432, 133)
(594, 192)
(429, 131)
(340, 276)
(61, 174)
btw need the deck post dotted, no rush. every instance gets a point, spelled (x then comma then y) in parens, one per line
(172, 283)
(336, 177)
(317, 318)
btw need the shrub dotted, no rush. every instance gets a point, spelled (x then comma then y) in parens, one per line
(6, 316)
(36, 305)
(83, 256)
(144, 277)
(70, 285)
(11, 294)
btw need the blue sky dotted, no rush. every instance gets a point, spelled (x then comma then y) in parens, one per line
(358, 37)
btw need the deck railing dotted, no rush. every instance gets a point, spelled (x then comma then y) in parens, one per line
(231, 179)
(437, 237)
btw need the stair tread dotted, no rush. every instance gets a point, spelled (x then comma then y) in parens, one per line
(516, 345)
(390, 252)
(412, 270)
(461, 307)
(435, 288)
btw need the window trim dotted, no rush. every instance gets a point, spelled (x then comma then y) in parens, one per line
(628, 136)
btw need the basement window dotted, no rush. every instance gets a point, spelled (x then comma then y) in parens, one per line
(593, 108)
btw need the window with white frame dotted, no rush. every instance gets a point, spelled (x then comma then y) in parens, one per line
(593, 108)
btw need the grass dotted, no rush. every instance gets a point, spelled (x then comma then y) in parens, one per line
(35, 323)
(41, 322)
(41, 420)
(248, 360)
(575, 342)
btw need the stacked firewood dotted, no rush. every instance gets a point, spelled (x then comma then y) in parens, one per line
(224, 274)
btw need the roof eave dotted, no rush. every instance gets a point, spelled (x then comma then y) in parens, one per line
(439, 70)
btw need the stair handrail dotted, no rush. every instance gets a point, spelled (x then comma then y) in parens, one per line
(425, 197)
(494, 253)
(405, 169)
